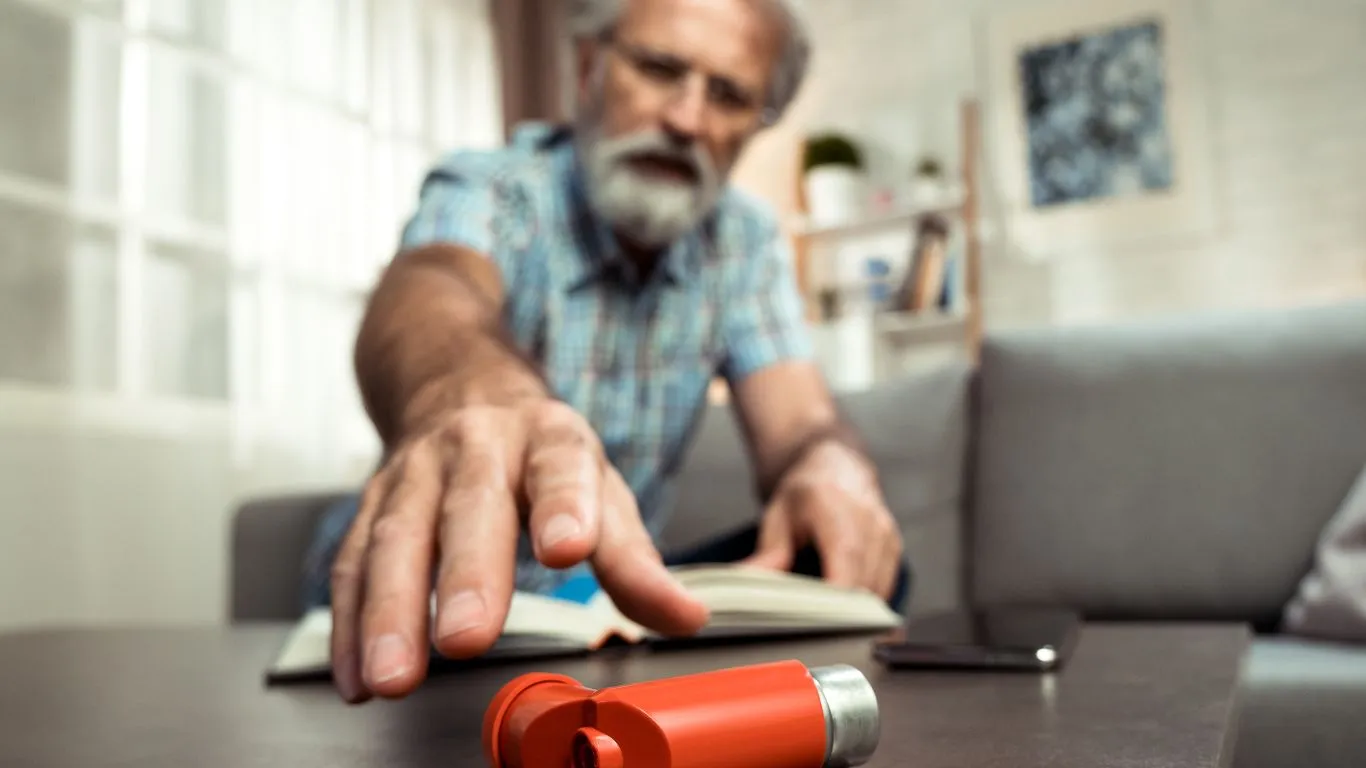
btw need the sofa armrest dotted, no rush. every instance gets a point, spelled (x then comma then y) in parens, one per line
(270, 536)
(1165, 468)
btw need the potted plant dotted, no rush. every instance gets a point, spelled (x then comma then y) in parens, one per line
(928, 183)
(833, 178)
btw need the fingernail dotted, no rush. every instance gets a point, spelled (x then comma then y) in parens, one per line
(388, 658)
(557, 529)
(461, 613)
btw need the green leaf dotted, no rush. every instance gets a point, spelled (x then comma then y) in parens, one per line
(831, 149)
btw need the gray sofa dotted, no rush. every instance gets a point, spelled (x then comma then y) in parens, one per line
(1176, 469)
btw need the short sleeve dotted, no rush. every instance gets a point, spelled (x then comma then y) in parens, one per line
(455, 205)
(763, 318)
(466, 200)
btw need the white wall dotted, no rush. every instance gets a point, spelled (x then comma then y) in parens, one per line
(119, 517)
(1289, 148)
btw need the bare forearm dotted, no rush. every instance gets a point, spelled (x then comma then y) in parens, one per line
(433, 340)
(834, 431)
(788, 413)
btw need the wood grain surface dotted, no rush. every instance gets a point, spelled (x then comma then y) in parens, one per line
(1133, 695)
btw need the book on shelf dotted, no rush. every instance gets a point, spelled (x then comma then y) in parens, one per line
(744, 603)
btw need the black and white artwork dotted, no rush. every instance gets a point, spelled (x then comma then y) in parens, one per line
(1096, 117)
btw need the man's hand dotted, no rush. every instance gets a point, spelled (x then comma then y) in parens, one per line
(831, 499)
(449, 504)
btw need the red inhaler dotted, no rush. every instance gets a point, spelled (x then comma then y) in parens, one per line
(775, 715)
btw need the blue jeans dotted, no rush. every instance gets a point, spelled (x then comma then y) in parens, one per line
(725, 549)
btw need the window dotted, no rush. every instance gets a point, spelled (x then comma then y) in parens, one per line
(195, 195)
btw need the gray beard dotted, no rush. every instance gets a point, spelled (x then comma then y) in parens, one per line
(650, 212)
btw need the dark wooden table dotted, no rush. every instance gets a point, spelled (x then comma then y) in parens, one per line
(1134, 695)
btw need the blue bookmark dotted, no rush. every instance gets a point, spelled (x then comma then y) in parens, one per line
(579, 589)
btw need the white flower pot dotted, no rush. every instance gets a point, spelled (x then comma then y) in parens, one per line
(834, 194)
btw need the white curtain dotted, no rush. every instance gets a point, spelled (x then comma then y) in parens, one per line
(195, 196)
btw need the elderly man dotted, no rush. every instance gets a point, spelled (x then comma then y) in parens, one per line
(537, 354)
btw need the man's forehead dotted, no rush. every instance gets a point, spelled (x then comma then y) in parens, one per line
(730, 35)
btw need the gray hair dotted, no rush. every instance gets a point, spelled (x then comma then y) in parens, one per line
(594, 19)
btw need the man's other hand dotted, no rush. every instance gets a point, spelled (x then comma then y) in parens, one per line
(831, 499)
(449, 504)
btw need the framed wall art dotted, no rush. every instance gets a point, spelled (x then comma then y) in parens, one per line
(1097, 126)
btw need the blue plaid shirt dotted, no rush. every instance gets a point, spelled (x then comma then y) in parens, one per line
(633, 355)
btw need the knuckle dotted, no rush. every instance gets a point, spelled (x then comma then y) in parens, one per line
(564, 437)
(345, 571)
(820, 499)
(480, 466)
(553, 413)
(460, 425)
(353, 542)
(453, 576)
(847, 548)
(557, 467)
(475, 498)
(390, 530)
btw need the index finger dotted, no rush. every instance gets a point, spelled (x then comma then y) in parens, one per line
(631, 571)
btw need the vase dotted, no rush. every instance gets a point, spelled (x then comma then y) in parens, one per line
(834, 195)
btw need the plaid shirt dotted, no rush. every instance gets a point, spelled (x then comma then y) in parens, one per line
(634, 356)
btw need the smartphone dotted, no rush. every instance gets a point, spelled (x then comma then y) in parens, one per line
(1025, 639)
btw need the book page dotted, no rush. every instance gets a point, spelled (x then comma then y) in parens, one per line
(739, 596)
(308, 647)
(533, 621)
(538, 615)
(754, 601)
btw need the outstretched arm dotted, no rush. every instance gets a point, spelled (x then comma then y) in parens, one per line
(812, 473)
(433, 340)
(786, 413)
(476, 448)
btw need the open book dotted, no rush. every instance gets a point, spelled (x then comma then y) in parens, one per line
(744, 603)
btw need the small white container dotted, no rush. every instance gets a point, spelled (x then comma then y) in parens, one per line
(834, 194)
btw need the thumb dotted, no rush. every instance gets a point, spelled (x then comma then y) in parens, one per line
(775, 548)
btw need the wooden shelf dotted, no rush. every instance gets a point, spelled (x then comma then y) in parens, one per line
(962, 209)
(903, 220)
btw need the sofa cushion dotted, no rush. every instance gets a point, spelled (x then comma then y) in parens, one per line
(916, 430)
(1181, 468)
(1301, 705)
